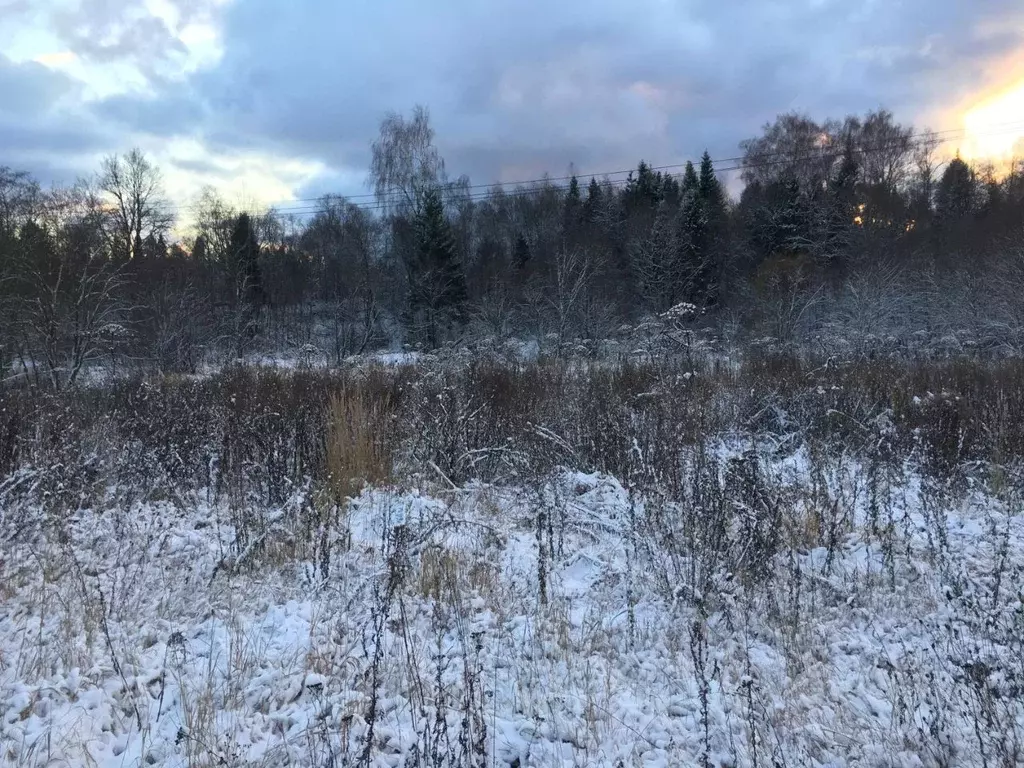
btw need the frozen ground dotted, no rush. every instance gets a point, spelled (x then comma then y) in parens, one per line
(146, 634)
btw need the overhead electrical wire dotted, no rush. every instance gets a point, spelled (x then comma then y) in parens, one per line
(312, 206)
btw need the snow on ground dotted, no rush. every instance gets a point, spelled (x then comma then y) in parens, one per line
(144, 635)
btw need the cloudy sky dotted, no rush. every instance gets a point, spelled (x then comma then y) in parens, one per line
(277, 100)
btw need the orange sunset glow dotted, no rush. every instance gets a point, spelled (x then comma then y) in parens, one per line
(994, 127)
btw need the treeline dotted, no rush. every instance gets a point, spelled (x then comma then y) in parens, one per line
(843, 228)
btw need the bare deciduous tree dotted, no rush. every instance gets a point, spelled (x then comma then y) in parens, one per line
(137, 205)
(68, 315)
(66, 306)
(573, 274)
(19, 200)
(405, 162)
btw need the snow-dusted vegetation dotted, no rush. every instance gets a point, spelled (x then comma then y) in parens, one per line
(615, 471)
(770, 562)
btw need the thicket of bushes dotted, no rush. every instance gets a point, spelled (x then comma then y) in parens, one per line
(259, 433)
(713, 523)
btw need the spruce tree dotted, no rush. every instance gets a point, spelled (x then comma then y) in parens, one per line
(956, 192)
(840, 212)
(520, 252)
(244, 268)
(648, 185)
(592, 207)
(572, 196)
(701, 233)
(659, 262)
(690, 181)
(200, 250)
(711, 191)
(437, 283)
(148, 249)
(693, 273)
(34, 245)
(671, 190)
(643, 191)
(573, 214)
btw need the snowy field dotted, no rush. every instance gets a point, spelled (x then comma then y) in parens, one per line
(561, 623)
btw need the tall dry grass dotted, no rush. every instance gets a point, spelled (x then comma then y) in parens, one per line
(359, 442)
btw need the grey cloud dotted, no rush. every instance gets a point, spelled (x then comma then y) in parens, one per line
(170, 115)
(513, 83)
(519, 86)
(39, 131)
(30, 89)
(195, 166)
(53, 154)
(20, 138)
(12, 9)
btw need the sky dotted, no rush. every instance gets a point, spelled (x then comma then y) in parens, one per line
(272, 101)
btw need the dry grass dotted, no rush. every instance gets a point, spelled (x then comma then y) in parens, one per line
(439, 575)
(358, 442)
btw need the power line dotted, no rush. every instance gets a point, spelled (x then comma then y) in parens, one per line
(495, 185)
(520, 187)
(783, 158)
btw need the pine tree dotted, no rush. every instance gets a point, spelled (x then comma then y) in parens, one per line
(716, 236)
(777, 216)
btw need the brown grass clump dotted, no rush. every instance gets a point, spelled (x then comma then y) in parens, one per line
(358, 442)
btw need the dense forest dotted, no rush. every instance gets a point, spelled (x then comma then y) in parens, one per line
(857, 232)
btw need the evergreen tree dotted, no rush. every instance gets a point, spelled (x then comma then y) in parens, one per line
(437, 283)
(244, 267)
(643, 191)
(658, 261)
(785, 217)
(690, 181)
(956, 193)
(841, 211)
(573, 211)
(520, 252)
(147, 251)
(200, 250)
(34, 244)
(710, 187)
(716, 212)
(694, 273)
(592, 207)
(572, 196)
(922, 199)
(671, 190)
